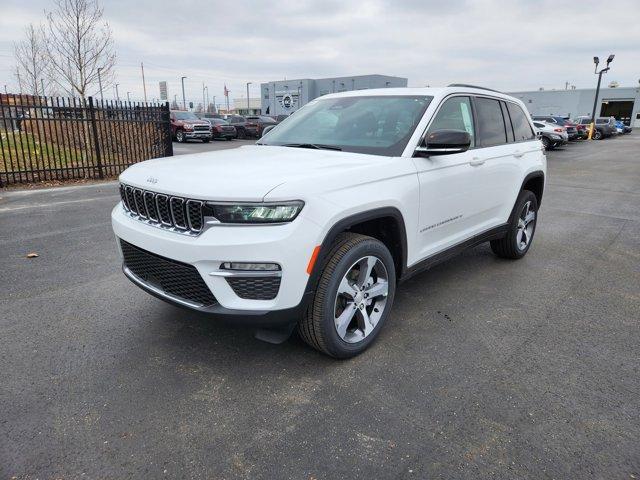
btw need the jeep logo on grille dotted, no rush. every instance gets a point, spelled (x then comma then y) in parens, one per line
(152, 180)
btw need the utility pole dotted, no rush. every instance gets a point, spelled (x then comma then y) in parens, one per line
(144, 84)
(100, 84)
(248, 105)
(184, 100)
(596, 61)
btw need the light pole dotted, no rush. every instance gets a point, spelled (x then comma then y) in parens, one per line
(100, 83)
(248, 107)
(203, 98)
(596, 61)
(128, 97)
(207, 89)
(117, 94)
(184, 100)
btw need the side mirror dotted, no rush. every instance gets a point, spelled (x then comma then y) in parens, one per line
(444, 142)
(267, 129)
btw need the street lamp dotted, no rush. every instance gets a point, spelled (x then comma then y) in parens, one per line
(100, 84)
(184, 101)
(596, 61)
(117, 94)
(128, 97)
(248, 112)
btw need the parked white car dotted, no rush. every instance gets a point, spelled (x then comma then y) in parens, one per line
(551, 134)
(315, 225)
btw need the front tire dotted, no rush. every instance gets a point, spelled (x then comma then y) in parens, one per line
(597, 135)
(522, 226)
(353, 298)
(180, 137)
(547, 143)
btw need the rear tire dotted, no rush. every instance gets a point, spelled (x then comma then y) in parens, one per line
(241, 134)
(522, 227)
(353, 297)
(597, 135)
(547, 143)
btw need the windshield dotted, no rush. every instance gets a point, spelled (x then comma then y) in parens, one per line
(379, 125)
(185, 116)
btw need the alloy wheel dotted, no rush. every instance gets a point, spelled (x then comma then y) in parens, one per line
(361, 299)
(526, 224)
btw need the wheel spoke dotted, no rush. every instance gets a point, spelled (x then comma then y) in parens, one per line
(378, 289)
(529, 217)
(343, 321)
(525, 210)
(519, 236)
(366, 325)
(347, 289)
(366, 267)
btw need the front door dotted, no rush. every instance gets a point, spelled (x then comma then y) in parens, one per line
(449, 194)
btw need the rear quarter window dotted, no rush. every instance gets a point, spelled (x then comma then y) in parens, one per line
(521, 126)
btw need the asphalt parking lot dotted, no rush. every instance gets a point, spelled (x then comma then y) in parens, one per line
(486, 368)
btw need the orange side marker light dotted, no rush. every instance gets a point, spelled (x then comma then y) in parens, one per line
(312, 260)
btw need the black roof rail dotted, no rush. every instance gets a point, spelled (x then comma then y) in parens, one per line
(472, 86)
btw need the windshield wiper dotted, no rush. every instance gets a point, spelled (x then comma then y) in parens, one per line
(317, 146)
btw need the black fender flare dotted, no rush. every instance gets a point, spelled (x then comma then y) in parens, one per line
(530, 176)
(343, 225)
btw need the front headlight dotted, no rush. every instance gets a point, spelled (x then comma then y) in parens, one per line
(254, 212)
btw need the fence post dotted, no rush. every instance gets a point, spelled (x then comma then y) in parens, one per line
(96, 140)
(166, 119)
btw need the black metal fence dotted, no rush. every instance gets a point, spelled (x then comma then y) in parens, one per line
(54, 138)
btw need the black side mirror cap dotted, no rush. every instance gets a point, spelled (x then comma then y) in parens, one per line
(444, 142)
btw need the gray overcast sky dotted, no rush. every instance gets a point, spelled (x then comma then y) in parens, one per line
(508, 45)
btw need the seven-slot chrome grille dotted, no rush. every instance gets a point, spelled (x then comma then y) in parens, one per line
(183, 215)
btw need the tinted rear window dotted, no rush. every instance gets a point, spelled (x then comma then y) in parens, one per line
(521, 126)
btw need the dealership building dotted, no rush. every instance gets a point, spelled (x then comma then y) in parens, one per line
(620, 102)
(286, 96)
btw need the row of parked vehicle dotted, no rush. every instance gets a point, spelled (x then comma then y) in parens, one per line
(205, 127)
(555, 131)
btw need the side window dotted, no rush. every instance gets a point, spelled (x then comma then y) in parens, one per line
(507, 121)
(455, 114)
(491, 128)
(521, 126)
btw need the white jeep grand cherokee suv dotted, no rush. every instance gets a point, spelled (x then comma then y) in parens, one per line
(315, 225)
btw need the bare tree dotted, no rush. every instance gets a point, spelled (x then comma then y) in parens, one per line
(32, 61)
(80, 45)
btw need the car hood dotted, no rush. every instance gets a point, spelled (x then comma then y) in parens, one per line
(192, 122)
(247, 173)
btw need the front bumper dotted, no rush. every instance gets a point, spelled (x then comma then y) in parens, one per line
(289, 245)
(197, 134)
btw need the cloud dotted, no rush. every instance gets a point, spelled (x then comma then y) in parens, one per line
(509, 45)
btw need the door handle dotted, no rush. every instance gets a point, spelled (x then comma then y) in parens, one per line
(476, 161)
(518, 154)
